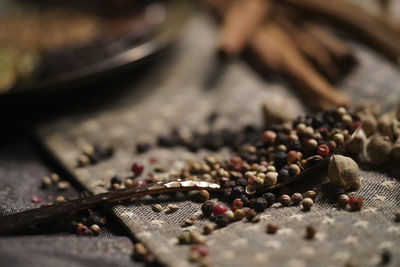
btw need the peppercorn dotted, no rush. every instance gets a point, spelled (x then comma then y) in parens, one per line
(292, 157)
(115, 180)
(137, 168)
(184, 237)
(60, 199)
(219, 210)
(115, 186)
(245, 200)
(203, 250)
(142, 147)
(54, 177)
(271, 168)
(269, 197)
(190, 221)
(397, 216)
(221, 221)
(386, 256)
(229, 215)
(281, 148)
(83, 160)
(207, 208)
(284, 200)
(157, 208)
(95, 229)
(307, 203)
(310, 194)
(311, 144)
(338, 138)
(271, 178)
(296, 198)
(46, 182)
(196, 237)
(269, 137)
(139, 251)
(236, 204)
(283, 175)
(294, 170)
(250, 214)
(323, 151)
(355, 202)
(280, 159)
(239, 214)
(310, 232)
(260, 204)
(272, 227)
(237, 191)
(208, 228)
(63, 185)
(129, 183)
(36, 199)
(343, 200)
(203, 196)
(241, 182)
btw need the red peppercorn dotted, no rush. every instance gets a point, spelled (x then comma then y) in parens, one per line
(153, 160)
(219, 210)
(201, 249)
(355, 202)
(251, 179)
(356, 125)
(137, 168)
(323, 151)
(236, 204)
(80, 229)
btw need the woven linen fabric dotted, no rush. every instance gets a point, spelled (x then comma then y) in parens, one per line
(173, 94)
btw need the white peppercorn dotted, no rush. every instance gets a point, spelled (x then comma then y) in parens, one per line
(271, 178)
(46, 182)
(338, 138)
(95, 229)
(203, 196)
(271, 168)
(139, 251)
(239, 214)
(272, 227)
(343, 200)
(63, 185)
(208, 228)
(307, 203)
(294, 170)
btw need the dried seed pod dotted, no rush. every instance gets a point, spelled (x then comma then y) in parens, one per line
(378, 150)
(357, 143)
(369, 124)
(343, 172)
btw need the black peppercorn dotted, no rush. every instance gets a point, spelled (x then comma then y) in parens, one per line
(207, 208)
(269, 197)
(241, 182)
(260, 204)
(237, 191)
(115, 180)
(142, 147)
(283, 175)
(221, 221)
(245, 200)
(386, 256)
(280, 159)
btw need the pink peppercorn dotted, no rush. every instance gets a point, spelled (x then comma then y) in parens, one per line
(80, 229)
(236, 204)
(36, 199)
(141, 182)
(355, 202)
(323, 151)
(219, 210)
(251, 179)
(201, 249)
(292, 156)
(269, 137)
(137, 168)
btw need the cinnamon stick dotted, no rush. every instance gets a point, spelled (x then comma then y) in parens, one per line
(277, 51)
(312, 48)
(373, 30)
(241, 20)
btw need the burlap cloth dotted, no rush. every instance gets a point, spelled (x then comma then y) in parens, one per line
(172, 94)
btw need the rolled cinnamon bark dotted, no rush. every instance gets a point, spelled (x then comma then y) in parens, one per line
(240, 21)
